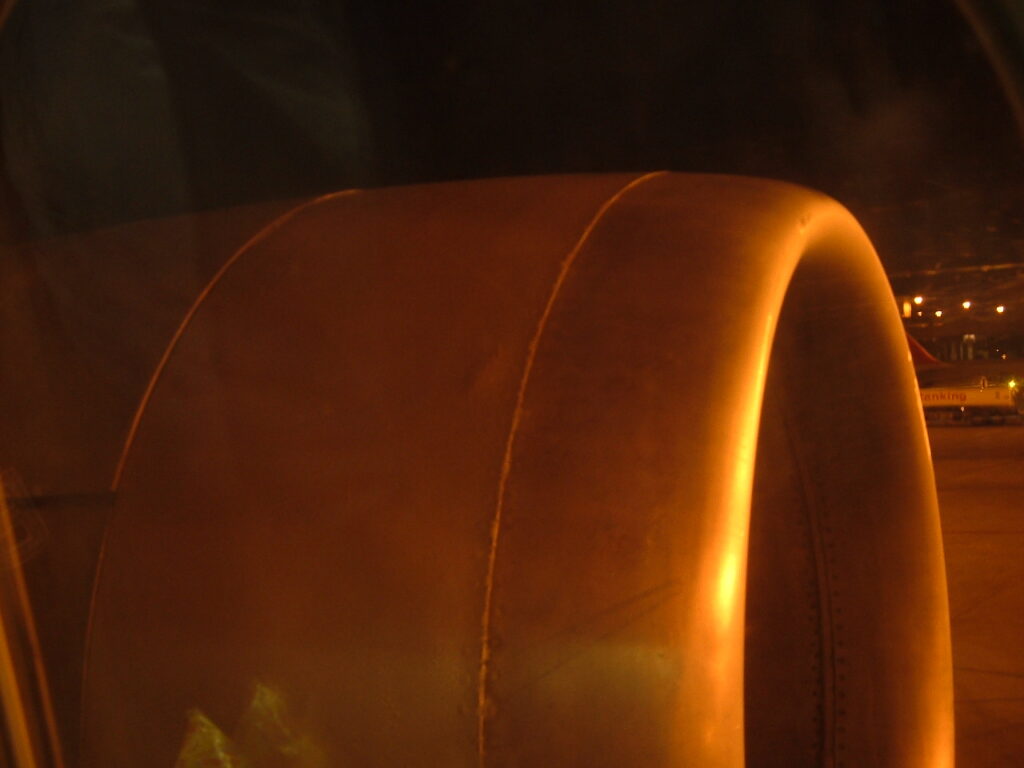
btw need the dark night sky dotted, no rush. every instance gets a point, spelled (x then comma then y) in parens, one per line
(888, 105)
(891, 107)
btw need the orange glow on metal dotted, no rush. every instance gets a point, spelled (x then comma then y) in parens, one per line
(689, 648)
(730, 582)
(728, 588)
(255, 240)
(495, 530)
(24, 692)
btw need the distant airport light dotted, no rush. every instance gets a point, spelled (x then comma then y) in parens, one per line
(919, 314)
(1013, 382)
(966, 305)
(1000, 309)
(938, 313)
(919, 300)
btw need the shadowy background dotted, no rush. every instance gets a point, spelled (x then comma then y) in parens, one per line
(116, 110)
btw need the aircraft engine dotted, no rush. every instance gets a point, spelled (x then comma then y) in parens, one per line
(612, 470)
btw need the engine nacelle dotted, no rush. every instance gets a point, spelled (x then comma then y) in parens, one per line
(593, 471)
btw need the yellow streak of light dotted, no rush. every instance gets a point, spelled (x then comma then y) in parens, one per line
(26, 729)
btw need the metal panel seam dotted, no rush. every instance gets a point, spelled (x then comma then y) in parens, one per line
(251, 243)
(506, 464)
(255, 240)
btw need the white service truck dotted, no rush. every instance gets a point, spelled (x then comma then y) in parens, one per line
(977, 403)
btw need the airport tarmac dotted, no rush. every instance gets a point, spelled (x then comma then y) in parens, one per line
(979, 472)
